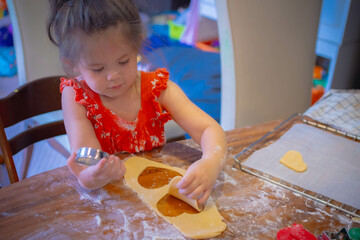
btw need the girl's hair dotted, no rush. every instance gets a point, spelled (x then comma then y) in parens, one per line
(70, 20)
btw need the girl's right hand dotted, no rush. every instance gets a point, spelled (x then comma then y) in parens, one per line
(96, 176)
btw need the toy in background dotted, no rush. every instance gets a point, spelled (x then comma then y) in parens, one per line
(320, 78)
(177, 24)
(199, 29)
(7, 51)
(318, 90)
(297, 231)
(3, 8)
(184, 27)
(158, 31)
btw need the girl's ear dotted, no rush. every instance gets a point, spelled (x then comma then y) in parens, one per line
(66, 61)
(69, 66)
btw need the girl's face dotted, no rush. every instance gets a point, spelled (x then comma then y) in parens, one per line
(108, 63)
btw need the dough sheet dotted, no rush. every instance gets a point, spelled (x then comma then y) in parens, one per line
(206, 224)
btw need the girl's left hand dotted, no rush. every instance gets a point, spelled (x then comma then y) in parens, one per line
(96, 176)
(199, 180)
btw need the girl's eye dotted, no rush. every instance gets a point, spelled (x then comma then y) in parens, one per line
(98, 69)
(124, 62)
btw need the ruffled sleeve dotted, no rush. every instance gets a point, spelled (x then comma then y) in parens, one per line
(159, 83)
(65, 82)
(83, 94)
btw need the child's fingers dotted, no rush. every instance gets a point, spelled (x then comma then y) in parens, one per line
(113, 162)
(190, 188)
(73, 166)
(196, 192)
(186, 181)
(114, 167)
(113, 159)
(72, 157)
(204, 197)
(118, 168)
(100, 165)
(122, 167)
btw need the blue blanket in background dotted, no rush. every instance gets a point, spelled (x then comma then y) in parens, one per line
(7, 62)
(198, 73)
(7, 53)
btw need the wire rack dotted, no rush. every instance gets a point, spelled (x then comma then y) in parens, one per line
(275, 134)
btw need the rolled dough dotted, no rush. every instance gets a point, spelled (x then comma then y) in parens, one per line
(205, 224)
(174, 191)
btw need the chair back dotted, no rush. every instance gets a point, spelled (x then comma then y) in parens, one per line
(29, 100)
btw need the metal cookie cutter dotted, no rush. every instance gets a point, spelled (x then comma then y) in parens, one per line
(90, 156)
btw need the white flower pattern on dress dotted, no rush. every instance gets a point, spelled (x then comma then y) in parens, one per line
(137, 149)
(97, 117)
(105, 134)
(154, 120)
(154, 140)
(132, 137)
(134, 134)
(154, 82)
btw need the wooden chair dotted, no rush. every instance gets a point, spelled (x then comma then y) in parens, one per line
(29, 100)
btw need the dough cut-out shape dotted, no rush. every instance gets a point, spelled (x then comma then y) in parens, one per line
(293, 160)
(205, 224)
(171, 206)
(154, 177)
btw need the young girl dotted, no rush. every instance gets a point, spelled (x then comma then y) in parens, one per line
(112, 106)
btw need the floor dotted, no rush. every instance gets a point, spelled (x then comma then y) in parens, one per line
(44, 157)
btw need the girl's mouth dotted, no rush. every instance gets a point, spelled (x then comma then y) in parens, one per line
(116, 86)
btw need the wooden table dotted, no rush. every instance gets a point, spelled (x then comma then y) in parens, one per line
(52, 205)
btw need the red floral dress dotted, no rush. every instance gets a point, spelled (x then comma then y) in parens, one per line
(116, 134)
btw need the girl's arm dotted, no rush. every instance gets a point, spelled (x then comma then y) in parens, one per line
(78, 128)
(81, 134)
(201, 175)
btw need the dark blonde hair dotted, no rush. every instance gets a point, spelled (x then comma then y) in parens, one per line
(69, 21)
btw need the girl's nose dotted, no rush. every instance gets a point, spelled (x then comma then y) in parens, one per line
(113, 76)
